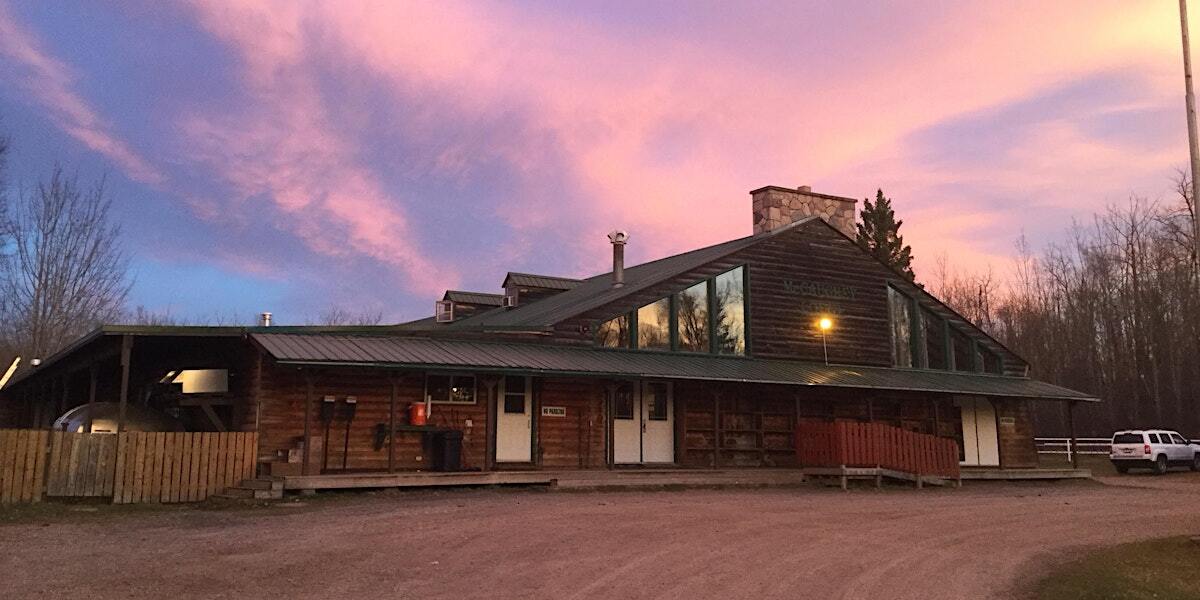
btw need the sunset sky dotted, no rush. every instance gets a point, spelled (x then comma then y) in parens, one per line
(295, 156)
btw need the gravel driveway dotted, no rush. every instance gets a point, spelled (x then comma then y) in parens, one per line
(811, 542)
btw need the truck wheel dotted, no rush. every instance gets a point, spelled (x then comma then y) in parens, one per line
(1160, 464)
(1196, 462)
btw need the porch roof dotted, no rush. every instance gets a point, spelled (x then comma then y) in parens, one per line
(403, 352)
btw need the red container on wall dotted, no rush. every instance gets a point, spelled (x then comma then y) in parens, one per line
(416, 413)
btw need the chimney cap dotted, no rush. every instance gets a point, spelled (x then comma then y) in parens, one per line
(618, 237)
(804, 189)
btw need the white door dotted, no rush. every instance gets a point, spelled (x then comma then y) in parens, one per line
(643, 424)
(658, 423)
(626, 426)
(514, 420)
(981, 445)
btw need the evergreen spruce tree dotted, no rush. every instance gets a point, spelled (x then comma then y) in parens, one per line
(879, 234)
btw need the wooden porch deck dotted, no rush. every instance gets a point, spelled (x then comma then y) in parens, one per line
(996, 474)
(559, 480)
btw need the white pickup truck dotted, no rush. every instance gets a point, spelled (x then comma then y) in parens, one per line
(1155, 449)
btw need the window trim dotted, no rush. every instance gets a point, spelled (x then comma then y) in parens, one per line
(451, 376)
(502, 393)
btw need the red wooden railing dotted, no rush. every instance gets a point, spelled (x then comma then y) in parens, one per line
(823, 444)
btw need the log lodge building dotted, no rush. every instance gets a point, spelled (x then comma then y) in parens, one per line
(709, 358)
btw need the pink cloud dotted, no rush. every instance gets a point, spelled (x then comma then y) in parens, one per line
(286, 148)
(607, 103)
(49, 82)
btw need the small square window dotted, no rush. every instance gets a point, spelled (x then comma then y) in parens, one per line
(623, 403)
(656, 401)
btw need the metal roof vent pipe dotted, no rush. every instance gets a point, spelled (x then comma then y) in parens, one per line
(264, 319)
(619, 239)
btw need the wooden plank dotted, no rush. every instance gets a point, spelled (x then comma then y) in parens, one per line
(202, 470)
(168, 460)
(223, 462)
(118, 496)
(155, 450)
(139, 468)
(248, 458)
(12, 467)
(176, 440)
(53, 473)
(7, 464)
(127, 448)
(32, 458)
(25, 467)
(185, 470)
(231, 460)
(210, 463)
(39, 477)
(108, 464)
(194, 478)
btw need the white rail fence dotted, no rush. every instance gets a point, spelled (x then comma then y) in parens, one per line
(1082, 446)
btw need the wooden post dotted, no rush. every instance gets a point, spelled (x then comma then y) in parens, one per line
(716, 428)
(92, 376)
(1072, 446)
(308, 399)
(489, 457)
(126, 351)
(392, 426)
(126, 355)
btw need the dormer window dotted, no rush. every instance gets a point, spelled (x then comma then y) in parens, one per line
(443, 311)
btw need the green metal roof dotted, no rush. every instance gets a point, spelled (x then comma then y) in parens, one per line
(480, 298)
(549, 282)
(598, 291)
(547, 359)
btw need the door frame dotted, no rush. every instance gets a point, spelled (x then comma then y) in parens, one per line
(969, 405)
(530, 406)
(640, 411)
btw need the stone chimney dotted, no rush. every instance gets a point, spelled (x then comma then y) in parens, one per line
(775, 207)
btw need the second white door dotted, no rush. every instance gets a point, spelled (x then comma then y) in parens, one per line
(981, 445)
(643, 424)
(514, 420)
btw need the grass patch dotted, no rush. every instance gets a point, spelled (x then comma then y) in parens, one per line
(1164, 569)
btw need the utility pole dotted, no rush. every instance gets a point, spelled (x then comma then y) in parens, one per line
(1193, 147)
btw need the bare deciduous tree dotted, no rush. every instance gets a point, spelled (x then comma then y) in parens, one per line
(64, 271)
(335, 315)
(1114, 312)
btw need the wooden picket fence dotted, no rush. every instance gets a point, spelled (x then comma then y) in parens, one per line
(136, 468)
(842, 444)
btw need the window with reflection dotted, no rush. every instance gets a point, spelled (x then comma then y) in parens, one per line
(691, 317)
(623, 402)
(935, 339)
(515, 394)
(654, 325)
(991, 361)
(729, 308)
(450, 389)
(614, 333)
(657, 396)
(964, 358)
(900, 312)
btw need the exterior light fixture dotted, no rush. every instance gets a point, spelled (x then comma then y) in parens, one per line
(825, 324)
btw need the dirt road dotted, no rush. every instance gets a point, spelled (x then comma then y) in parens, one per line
(796, 543)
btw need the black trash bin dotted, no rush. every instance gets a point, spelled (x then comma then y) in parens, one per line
(447, 450)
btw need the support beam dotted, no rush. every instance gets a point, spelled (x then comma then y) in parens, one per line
(308, 400)
(1074, 449)
(392, 425)
(491, 382)
(93, 373)
(126, 354)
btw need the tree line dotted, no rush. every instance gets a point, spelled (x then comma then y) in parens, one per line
(1113, 311)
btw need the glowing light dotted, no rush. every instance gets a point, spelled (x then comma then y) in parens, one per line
(825, 324)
